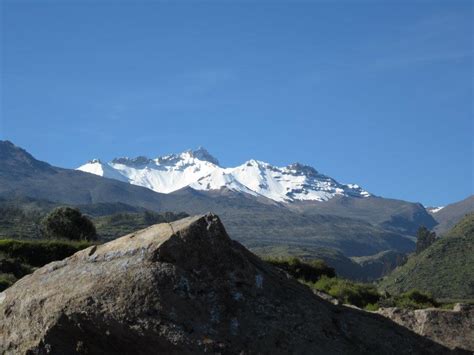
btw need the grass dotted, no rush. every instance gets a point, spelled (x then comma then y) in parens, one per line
(445, 269)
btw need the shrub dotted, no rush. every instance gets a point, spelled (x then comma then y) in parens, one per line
(349, 292)
(372, 307)
(6, 281)
(39, 253)
(310, 271)
(68, 223)
(415, 299)
(13, 267)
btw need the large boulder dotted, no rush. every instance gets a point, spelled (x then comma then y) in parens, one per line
(452, 328)
(184, 287)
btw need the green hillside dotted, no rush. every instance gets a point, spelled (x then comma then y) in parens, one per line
(367, 268)
(445, 269)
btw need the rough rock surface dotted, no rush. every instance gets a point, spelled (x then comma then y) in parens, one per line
(454, 329)
(184, 288)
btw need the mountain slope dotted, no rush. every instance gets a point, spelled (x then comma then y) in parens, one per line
(254, 220)
(366, 268)
(449, 215)
(298, 187)
(22, 175)
(446, 268)
(201, 171)
(376, 266)
(395, 215)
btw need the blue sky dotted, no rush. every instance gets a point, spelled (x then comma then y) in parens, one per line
(376, 93)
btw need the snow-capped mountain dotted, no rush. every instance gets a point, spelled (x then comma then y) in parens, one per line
(201, 171)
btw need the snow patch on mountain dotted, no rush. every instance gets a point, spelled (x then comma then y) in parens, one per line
(434, 209)
(200, 170)
(97, 167)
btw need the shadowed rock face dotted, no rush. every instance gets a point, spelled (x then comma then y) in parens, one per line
(452, 328)
(184, 287)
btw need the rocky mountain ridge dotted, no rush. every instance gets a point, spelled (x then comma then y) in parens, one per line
(200, 170)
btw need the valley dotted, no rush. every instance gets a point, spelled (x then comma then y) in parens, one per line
(346, 230)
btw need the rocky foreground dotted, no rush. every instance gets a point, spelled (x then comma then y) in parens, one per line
(454, 329)
(185, 288)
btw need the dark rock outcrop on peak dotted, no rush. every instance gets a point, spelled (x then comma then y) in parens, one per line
(454, 329)
(184, 287)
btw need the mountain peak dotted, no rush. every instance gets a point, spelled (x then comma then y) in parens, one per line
(7, 147)
(198, 169)
(18, 160)
(202, 154)
(7, 143)
(302, 168)
(255, 162)
(138, 161)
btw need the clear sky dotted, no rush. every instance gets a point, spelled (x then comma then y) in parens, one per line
(376, 93)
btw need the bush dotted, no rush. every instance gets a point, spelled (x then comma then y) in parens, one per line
(349, 292)
(39, 253)
(6, 281)
(372, 307)
(415, 299)
(310, 271)
(68, 223)
(13, 267)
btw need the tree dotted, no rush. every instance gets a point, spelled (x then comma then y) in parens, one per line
(424, 238)
(68, 223)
